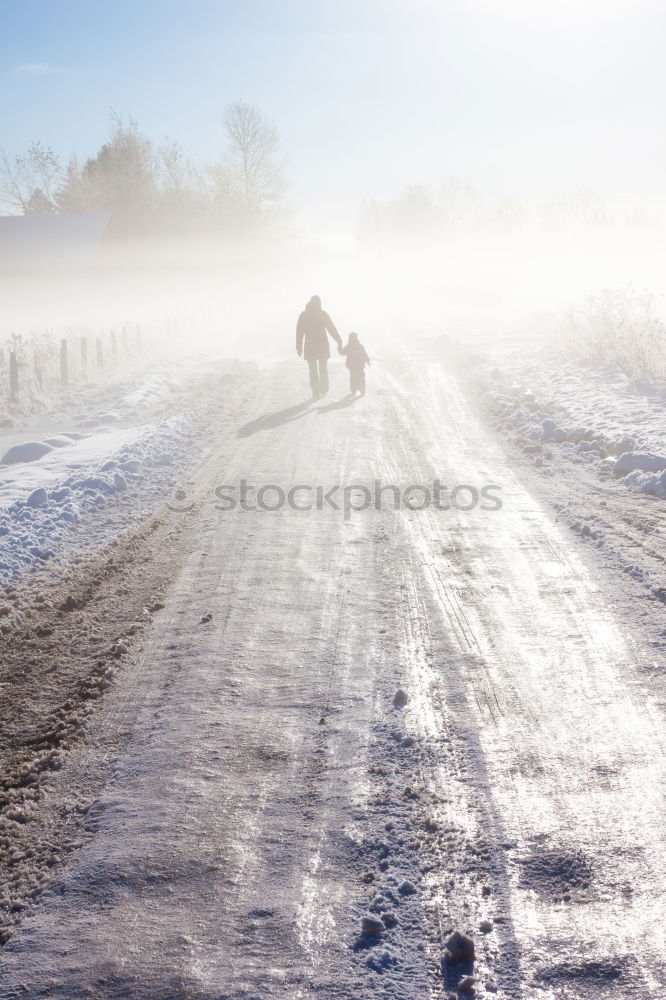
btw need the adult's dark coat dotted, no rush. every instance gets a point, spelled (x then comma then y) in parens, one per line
(312, 331)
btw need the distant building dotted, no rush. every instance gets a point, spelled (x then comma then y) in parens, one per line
(61, 242)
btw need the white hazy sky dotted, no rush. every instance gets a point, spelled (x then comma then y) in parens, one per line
(524, 97)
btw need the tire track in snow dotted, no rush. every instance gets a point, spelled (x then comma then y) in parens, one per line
(567, 681)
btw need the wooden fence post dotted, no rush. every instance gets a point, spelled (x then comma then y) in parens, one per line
(63, 361)
(13, 376)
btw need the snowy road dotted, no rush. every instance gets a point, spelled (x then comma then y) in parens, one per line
(270, 793)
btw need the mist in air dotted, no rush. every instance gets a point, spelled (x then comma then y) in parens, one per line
(464, 169)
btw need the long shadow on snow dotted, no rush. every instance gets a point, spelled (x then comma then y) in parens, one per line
(275, 419)
(279, 417)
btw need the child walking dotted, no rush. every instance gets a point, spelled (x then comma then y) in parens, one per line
(357, 359)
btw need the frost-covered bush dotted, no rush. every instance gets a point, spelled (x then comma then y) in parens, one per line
(618, 327)
(38, 371)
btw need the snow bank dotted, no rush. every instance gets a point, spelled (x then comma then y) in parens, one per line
(633, 461)
(44, 504)
(592, 416)
(82, 489)
(29, 451)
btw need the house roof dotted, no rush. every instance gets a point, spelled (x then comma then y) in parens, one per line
(50, 242)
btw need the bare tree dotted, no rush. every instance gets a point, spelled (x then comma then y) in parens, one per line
(175, 167)
(184, 190)
(370, 225)
(581, 209)
(254, 159)
(413, 213)
(509, 214)
(29, 183)
(12, 188)
(46, 170)
(458, 204)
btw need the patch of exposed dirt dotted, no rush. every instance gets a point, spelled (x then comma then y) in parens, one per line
(68, 640)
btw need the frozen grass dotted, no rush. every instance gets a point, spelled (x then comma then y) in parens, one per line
(617, 327)
(38, 372)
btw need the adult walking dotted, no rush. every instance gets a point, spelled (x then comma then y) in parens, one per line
(312, 332)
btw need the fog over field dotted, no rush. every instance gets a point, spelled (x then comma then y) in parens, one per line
(445, 160)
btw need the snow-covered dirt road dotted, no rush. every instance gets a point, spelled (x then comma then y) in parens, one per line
(436, 718)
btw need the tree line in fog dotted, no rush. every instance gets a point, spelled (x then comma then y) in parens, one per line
(456, 208)
(156, 188)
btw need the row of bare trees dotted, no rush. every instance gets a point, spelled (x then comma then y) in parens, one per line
(456, 208)
(153, 188)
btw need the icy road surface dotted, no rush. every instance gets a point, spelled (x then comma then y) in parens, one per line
(270, 793)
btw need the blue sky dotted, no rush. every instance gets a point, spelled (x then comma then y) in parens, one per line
(368, 96)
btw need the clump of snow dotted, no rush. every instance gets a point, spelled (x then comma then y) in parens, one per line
(466, 984)
(28, 451)
(459, 948)
(38, 498)
(406, 888)
(622, 445)
(639, 461)
(95, 483)
(647, 482)
(371, 926)
(644, 471)
(380, 962)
